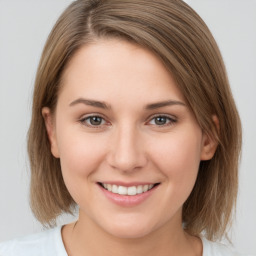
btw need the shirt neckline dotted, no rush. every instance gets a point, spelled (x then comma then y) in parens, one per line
(61, 250)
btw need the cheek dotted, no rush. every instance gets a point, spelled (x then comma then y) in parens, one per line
(178, 158)
(79, 151)
(80, 156)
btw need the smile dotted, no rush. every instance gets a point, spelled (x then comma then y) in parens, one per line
(130, 191)
(127, 195)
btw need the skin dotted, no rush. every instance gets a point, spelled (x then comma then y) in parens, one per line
(126, 145)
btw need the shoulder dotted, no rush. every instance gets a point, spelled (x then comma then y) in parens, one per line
(45, 243)
(218, 249)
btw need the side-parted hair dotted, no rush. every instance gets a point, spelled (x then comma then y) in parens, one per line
(182, 41)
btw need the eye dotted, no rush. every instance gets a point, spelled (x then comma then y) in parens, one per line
(162, 120)
(93, 121)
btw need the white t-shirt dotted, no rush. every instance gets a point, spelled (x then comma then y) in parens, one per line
(49, 243)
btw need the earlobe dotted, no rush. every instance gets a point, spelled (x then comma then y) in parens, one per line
(50, 128)
(209, 142)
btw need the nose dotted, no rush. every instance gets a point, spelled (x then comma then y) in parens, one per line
(126, 150)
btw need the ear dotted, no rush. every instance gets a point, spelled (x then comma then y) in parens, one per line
(51, 131)
(209, 143)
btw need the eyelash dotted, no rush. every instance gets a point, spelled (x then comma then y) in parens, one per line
(84, 119)
(170, 120)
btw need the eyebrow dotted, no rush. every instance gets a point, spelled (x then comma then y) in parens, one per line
(103, 105)
(164, 104)
(94, 103)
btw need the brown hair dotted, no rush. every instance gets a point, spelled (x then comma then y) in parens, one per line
(179, 37)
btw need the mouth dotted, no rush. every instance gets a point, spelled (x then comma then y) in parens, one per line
(128, 190)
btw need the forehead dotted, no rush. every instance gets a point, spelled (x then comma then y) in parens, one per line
(119, 69)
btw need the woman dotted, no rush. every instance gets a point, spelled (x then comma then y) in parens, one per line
(133, 121)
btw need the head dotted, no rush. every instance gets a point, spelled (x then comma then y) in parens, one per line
(176, 35)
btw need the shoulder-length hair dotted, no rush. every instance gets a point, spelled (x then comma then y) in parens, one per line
(182, 41)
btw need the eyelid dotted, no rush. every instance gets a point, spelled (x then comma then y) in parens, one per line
(83, 119)
(172, 119)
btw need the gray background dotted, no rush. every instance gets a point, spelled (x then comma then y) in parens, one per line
(24, 26)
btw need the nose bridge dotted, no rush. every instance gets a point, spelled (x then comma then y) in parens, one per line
(127, 151)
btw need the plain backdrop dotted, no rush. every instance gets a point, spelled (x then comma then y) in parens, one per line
(24, 27)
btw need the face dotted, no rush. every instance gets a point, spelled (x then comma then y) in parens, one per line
(128, 144)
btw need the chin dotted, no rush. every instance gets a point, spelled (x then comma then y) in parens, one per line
(129, 229)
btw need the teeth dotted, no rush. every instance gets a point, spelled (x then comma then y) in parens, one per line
(115, 189)
(109, 188)
(150, 186)
(139, 189)
(131, 191)
(145, 188)
(122, 190)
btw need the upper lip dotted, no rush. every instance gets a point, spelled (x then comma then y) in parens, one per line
(127, 184)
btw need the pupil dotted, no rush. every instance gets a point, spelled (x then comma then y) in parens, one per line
(96, 120)
(160, 120)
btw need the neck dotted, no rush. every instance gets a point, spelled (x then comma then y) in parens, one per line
(86, 238)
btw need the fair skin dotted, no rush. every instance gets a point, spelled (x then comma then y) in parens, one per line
(107, 129)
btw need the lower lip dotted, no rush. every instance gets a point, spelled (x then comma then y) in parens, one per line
(127, 201)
